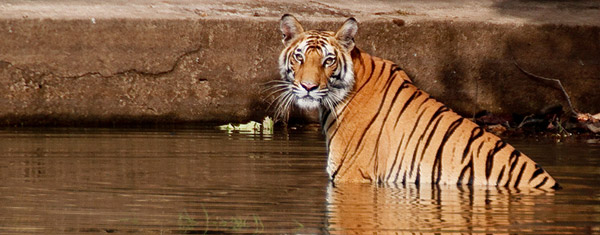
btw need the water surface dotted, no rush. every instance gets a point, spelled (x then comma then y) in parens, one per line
(203, 181)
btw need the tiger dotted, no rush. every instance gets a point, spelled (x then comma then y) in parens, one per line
(379, 127)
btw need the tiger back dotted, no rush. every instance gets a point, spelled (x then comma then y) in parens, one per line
(380, 127)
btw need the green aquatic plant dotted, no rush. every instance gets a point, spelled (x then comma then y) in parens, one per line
(238, 223)
(300, 226)
(235, 223)
(185, 222)
(266, 127)
(258, 223)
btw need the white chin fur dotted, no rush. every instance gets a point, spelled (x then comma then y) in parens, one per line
(307, 103)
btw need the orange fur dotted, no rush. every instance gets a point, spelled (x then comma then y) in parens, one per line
(384, 129)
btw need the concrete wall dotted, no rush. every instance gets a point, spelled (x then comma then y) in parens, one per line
(118, 70)
(211, 68)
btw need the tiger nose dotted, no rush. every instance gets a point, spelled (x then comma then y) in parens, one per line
(309, 86)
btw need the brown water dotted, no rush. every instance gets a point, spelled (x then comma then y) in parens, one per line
(204, 181)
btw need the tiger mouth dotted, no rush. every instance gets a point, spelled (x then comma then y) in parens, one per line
(307, 102)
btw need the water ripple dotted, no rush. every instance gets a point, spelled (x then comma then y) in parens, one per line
(201, 181)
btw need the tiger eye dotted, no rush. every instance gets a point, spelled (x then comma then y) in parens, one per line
(329, 61)
(298, 57)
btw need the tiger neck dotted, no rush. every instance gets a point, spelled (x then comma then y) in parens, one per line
(328, 117)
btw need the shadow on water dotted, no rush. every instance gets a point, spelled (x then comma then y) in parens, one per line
(204, 181)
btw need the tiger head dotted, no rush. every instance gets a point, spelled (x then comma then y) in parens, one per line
(315, 66)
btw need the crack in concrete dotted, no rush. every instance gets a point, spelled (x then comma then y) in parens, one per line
(36, 80)
(118, 73)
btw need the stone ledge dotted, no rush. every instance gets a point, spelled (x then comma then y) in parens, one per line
(72, 62)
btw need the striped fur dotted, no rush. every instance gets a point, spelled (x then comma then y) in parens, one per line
(379, 127)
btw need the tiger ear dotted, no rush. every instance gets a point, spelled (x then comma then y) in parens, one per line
(345, 35)
(290, 27)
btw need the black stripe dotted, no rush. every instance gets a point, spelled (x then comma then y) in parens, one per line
(395, 68)
(542, 183)
(556, 186)
(418, 178)
(364, 176)
(382, 69)
(339, 74)
(372, 68)
(489, 162)
(500, 144)
(387, 89)
(374, 156)
(287, 52)
(500, 175)
(479, 148)
(396, 159)
(472, 177)
(472, 174)
(394, 72)
(384, 97)
(514, 155)
(440, 110)
(537, 172)
(475, 134)
(431, 134)
(411, 134)
(388, 113)
(520, 174)
(344, 64)
(416, 94)
(335, 173)
(437, 162)
(351, 98)
(464, 170)
(343, 159)
(389, 82)
(336, 77)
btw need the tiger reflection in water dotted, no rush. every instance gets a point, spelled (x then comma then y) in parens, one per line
(380, 127)
(433, 209)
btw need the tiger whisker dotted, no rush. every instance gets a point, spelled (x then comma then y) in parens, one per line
(329, 105)
(278, 101)
(273, 81)
(283, 107)
(280, 97)
(275, 87)
(278, 82)
(271, 93)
